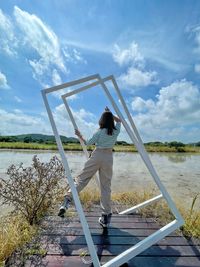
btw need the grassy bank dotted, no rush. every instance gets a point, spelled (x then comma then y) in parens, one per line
(117, 148)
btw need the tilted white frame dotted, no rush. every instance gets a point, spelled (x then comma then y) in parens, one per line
(134, 135)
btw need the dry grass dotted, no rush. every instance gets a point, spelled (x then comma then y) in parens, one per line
(191, 228)
(14, 233)
(158, 210)
(89, 198)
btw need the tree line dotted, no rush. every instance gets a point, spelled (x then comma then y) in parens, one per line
(50, 139)
(37, 138)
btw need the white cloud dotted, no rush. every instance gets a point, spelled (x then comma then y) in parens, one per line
(39, 67)
(85, 120)
(78, 57)
(137, 77)
(42, 39)
(73, 55)
(8, 41)
(139, 104)
(18, 111)
(177, 106)
(56, 79)
(197, 68)
(129, 55)
(67, 54)
(17, 122)
(17, 99)
(3, 81)
(26, 30)
(83, 114)
(195, 31)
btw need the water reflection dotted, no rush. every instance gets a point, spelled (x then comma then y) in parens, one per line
(178, 158)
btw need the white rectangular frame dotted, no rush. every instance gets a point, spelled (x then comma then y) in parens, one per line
(134, 135)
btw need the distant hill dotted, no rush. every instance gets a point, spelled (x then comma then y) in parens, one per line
(38, 138)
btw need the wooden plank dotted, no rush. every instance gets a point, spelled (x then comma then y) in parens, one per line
(97, 214)
(75, 261)
(98, 231)
(64, 240)
(114, 250)
(117, 218)
(120, 225)
(114, 240)
(164, 262)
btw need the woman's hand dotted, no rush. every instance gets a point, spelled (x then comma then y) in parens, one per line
(77, 132)
(116, 119)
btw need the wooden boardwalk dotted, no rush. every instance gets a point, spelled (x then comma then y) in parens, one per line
(64, 242)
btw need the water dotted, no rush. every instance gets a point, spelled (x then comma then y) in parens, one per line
(180, 173)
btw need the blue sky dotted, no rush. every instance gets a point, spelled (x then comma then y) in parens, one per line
(151, 47)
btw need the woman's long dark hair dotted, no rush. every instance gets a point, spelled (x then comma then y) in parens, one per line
(107, 121)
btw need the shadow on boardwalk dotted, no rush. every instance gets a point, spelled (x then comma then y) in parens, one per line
(64, 241)
(106, 249)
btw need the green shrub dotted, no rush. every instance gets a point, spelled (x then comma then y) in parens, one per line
(176, 144)
(180, 149)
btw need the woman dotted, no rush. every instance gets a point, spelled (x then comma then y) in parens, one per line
(101, 160)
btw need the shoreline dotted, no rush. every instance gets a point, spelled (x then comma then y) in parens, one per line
(77, 147)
